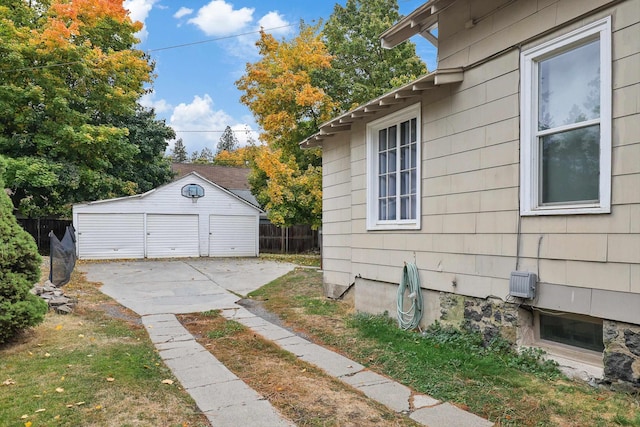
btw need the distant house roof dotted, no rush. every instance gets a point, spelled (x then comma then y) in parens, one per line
(231, 178)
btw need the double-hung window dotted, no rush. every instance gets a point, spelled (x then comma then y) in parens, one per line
(566, 124)
(393, 171)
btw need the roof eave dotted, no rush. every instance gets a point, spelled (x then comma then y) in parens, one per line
(343, 122)
(420, 21)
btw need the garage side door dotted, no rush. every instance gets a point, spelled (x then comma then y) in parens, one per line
(232, 235)
(172, 236)
(110, 236)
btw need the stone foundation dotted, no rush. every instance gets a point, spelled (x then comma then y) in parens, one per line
(490, 317)
(621, 354)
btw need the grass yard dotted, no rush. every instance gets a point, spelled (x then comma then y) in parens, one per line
(95, 367)
(493, 382)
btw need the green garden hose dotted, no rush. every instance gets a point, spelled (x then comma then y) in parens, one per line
(410, 283)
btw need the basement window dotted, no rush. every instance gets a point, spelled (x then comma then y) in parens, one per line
(572, 330)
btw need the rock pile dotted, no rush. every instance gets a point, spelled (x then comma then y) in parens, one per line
(55, 298)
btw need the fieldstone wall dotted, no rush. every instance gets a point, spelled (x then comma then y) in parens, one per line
(621, 354)
(490, 317)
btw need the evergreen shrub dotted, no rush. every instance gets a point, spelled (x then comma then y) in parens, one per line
(19, 270)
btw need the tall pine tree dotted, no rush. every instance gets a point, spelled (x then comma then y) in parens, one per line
(228, 141)
(179, 152)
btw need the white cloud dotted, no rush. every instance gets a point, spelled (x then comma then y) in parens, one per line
(182, 12)
(159, 105)
(218, 18)
(275, 24)
(200, 115)
(244, 46)
(139, 11)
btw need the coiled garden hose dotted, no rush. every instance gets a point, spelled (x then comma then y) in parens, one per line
(410, 283)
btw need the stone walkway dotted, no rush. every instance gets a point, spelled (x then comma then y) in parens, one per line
(157, 290)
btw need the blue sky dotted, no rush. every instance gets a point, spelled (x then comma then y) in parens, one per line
(194, 87)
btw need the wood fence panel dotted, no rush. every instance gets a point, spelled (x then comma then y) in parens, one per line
(293, 240)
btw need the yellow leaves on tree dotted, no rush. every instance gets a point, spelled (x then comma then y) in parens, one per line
(280, 91)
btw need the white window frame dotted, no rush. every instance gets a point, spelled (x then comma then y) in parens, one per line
(412, 112)
(529, 145)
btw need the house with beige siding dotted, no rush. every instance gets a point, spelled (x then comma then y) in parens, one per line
(510, 176)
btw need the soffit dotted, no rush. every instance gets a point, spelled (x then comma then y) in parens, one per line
(343, 122)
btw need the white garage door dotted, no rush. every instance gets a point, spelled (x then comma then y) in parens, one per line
(109, 236)
(172, 236)
(233, 235)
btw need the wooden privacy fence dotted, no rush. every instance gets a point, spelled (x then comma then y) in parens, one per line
(291, 240)
(40, 228)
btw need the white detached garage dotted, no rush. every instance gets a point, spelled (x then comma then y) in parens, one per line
(189, 217)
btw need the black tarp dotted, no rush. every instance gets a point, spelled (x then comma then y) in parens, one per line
(63, 257)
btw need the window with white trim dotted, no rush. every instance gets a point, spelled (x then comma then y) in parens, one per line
(393, 171)
(566, 124)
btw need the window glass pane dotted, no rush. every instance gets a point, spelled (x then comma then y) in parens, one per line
(413, 206)
(405, 160)
(414, 131)
(570, 166)
(404, 183)
(569, 87)
(392, 209)
(414, 155)
(577, 333)
(382, 163)
(382, 209)
(392, 137)
(382, 186)
(392, 161)
(404, 133)
(405, 208)
(392, 185)
(412, 173)
(382, 140)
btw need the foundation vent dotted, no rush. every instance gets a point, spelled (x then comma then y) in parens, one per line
(522, 284)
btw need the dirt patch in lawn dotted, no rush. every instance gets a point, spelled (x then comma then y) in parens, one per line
(301, 392)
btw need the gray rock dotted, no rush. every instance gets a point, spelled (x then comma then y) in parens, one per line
(632, 341)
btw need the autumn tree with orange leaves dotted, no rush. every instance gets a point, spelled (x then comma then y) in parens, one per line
(288, 105)
(70, 79)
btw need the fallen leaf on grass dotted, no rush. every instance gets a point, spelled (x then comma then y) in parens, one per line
(59, 390)
(40, 410)
(57, 417)
(58, 327)
(98, 407)
(47, 355)
(80, 403)
(8, 381)
(110, 379)
(80, 335)
(24, 417)
(69, 406)
(167, 382)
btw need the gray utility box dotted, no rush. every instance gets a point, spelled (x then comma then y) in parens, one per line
(522, 284)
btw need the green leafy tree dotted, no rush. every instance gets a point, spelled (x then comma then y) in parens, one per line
(288, 106)
(19, 270)
(69, 80)
(228, 141)
(361, 69)
(179, 152)
(148, 168)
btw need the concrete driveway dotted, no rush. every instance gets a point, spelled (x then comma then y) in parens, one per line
(182, 286)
